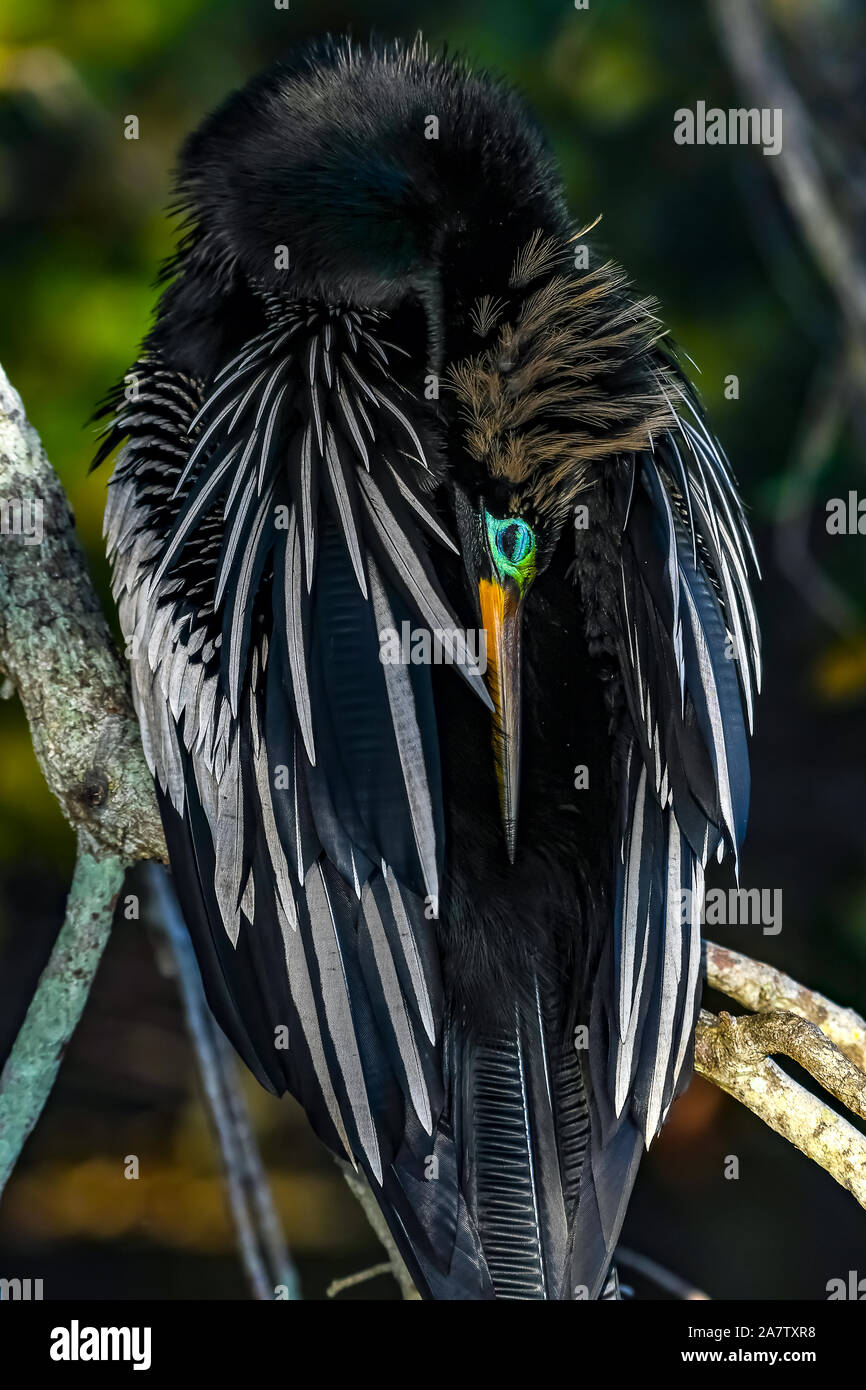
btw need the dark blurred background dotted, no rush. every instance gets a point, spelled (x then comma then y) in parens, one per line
(706, 230)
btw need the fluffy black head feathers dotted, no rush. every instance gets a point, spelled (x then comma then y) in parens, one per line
(377, 171)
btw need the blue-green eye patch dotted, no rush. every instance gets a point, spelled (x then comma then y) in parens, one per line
(512, 546)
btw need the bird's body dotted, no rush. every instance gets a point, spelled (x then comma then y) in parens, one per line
(440, 900)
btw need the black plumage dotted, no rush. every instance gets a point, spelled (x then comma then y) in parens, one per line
(381, 395)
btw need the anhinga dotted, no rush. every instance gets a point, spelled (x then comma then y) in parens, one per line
(452, 905)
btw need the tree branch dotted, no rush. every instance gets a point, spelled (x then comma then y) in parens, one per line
(733, 1053)
(665, 1279)
(744, 36)
(261, 1242)
(360, 1189)
(762, 988)
(56, 652)
(351, 1281)
(56, 649)
(60, 996)
(827, 1041)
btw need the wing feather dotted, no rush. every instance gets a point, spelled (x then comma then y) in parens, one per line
(307, 906)
(690, 662)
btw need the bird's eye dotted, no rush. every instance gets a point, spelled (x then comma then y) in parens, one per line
(514, 542)
(512, 547)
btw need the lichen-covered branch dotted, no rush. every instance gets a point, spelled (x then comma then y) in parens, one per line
(762, 988)
(57, 652)
(733, 1053)
(827, 1041)
(60, 996)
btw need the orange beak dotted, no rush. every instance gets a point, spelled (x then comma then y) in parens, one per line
(501, 619)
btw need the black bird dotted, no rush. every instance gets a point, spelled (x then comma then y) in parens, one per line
(446, 894)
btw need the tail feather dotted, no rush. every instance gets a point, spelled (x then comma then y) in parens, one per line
(522, 1120)
(426, 1211)
(519, 1193)
(516, 1193)
(606, 1183)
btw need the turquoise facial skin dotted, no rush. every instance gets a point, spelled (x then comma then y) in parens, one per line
(512, 547)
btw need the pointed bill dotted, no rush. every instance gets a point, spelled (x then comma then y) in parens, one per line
(500, 616)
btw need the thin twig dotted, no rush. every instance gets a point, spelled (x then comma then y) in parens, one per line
(822, 421)
(261, 1243)
(360, 1189)
(266, 1218)
(743, 32)
(651, 1270)
(351, 1281)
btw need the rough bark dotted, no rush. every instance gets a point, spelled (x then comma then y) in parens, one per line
(734, 1053)
(57, 652)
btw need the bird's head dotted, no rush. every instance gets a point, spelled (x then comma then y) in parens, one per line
(561, 381)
